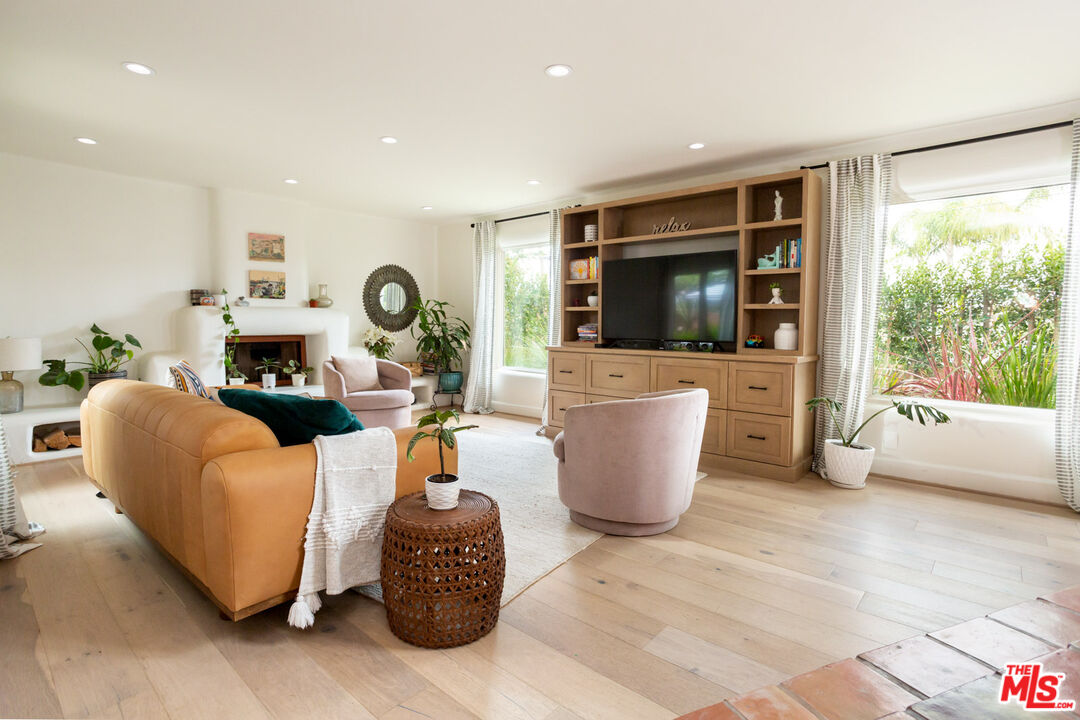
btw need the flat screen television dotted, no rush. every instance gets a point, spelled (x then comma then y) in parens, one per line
(673, 297)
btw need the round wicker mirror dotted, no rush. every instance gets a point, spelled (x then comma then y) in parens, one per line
(389, 295)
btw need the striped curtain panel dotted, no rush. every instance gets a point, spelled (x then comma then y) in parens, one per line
(856, 224)
(14, 529)
(1067, 413)
(479, 390)
(554, 298)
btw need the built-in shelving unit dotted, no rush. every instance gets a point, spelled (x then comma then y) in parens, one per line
(741, 211)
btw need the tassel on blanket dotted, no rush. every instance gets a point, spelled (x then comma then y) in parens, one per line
(302, 612)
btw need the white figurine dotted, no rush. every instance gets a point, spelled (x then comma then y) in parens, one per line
(779, 205)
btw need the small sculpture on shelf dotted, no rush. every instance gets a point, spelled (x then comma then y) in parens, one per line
(755, 341)
(778, 203)
(777, 293)
(769, 260)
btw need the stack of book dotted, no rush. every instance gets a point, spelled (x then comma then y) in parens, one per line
(791, 253)
(584, 269)
(587, 332)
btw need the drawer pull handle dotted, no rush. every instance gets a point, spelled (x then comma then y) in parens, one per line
(614, 375)
(687, 382)
(567, 372)
(756, 437)
(756, 387)
(562, 409)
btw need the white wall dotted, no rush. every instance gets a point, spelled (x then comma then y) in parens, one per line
(79, 246)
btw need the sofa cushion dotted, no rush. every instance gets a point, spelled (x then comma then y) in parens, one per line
(380, 400)
(294, 420)
(360, 374)
(187, 380)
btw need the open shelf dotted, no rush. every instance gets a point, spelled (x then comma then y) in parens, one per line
(680, 235)
(773, 306)
(582, 282)
(570, 246)
(585, 308)
(775, 271)
(773, 224)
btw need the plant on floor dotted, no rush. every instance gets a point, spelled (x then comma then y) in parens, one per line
(231, 332)
(379, 343)
(107, 357)
(442, 434)
(443, 339)
(295, 368)
(911, 409)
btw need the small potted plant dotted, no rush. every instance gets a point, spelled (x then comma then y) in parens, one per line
(379, 343)
(777, 294)
(443, 339)
(442, 489)
(297, 372)
(232, 370)
(847, 463)
(266, 368)
(106, 361)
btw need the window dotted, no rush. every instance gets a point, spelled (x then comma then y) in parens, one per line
(970, 299)
(525, 306)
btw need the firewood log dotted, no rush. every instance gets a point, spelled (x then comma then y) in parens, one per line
(57, 439)
(75, 440)
(39, 445)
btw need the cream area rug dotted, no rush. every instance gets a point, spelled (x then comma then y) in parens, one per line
(520, 474)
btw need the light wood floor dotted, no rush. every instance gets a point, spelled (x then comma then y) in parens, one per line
(759, 581)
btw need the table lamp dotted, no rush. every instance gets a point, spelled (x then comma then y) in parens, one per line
(16, 354)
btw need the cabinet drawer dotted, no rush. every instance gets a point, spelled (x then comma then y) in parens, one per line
(715, 439)
(621, 375)
(558, 402)
(764, 438)
(567, 370)
(760, 388)
(591, 399)
(679, 374)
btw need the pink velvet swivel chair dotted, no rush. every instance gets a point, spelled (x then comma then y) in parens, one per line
(390, 406)
(628, 467)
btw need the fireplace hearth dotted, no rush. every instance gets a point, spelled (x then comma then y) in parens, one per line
(251, 349)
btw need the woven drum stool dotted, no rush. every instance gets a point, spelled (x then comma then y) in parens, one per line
(442, 570)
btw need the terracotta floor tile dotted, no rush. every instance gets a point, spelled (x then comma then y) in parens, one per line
(993, 643)
(1041, 619)
(719, 711)
(978, 700)
(1067, 598)
(848, 690)
(771, 703)
(926, 665)
(1068, 662)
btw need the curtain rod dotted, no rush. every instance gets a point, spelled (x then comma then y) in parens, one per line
(521, 217)
(969, 141)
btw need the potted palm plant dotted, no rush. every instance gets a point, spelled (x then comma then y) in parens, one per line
(442, 489)
(266, 368)
(298, 372)
(442, 338)
(847, 463)
(106, 361)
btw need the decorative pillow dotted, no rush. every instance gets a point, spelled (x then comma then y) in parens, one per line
(361, 374)
(185, 379)
(294, 420)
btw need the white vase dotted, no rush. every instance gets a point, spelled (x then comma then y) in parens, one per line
(220, 300)
(269, 381)
(786, 337)
(847, 467)
(236, 381)
(442, 495)
(593, 300)
(298, 380)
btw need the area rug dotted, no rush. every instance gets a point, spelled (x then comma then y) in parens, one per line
(520, 474)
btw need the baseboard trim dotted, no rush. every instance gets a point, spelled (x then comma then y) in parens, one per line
(512, 409)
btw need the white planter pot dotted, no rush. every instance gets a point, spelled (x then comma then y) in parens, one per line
(298, 380)
(269, 381)
(786, 337)
(442, 495)
(236, 381)
(219, 300)
(847, 467)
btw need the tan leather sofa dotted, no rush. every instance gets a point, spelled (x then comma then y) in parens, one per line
(213, 489)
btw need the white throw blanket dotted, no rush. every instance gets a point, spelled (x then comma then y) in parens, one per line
(355, 478)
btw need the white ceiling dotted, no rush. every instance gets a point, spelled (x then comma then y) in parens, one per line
(249, 92)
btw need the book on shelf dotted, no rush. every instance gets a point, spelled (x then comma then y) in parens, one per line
(585, 268)
(588, 332)
(791, 253)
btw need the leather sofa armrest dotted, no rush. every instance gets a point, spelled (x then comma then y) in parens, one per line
(393, 376)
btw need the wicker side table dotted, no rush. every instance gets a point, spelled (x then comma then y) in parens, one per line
(442, 570)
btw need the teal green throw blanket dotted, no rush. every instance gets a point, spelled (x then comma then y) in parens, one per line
(294, 420)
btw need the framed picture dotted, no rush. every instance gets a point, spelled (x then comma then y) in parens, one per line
(266, 284)
(266, 247)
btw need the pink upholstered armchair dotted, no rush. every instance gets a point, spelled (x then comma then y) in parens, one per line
(389, 407)
(628, 467)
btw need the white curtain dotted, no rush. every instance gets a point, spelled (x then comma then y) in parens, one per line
(1067, 414)
(554, 298)
(856, 225)
(14, 529)
(485, 250)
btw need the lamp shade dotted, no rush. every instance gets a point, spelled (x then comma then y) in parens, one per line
(20, 354)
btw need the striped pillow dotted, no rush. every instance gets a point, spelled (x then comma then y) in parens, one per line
(187, 380)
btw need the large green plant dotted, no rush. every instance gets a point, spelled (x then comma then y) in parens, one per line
(1025, 373)
(441, 434)
(106, 355)
(439, 336)
(911, 409)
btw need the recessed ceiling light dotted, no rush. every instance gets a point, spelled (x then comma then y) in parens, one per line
(427, 207)
(138, 68)
(389, 140)
(532, 182)
(86, 141)
(558, 70)
(696, 146)
(292, 181)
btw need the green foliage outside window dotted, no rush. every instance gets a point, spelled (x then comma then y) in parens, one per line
(525, 288)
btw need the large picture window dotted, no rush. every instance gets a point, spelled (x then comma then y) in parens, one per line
(525, 306)
(970, 298)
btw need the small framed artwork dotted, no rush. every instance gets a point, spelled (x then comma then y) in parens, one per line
(266, 284)
(266, 247)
